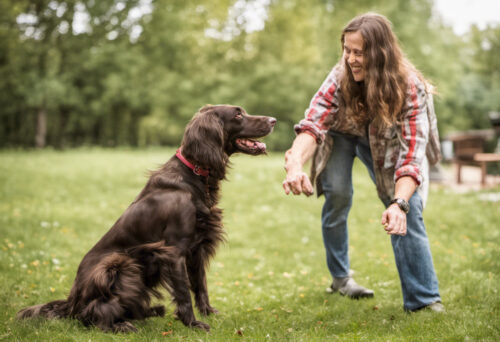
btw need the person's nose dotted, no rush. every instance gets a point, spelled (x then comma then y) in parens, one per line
(351, 58)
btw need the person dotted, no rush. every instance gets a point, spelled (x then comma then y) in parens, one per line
(372, 105)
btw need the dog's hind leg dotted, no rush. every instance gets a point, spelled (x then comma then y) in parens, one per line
(167, 266)
(117, 327)
(112, 293)
(107, 315)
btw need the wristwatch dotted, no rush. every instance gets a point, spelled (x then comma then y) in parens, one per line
(402, 204)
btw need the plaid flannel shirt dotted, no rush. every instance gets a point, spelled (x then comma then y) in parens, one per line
(397, 151)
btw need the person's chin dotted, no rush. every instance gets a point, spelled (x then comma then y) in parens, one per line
(358, 77)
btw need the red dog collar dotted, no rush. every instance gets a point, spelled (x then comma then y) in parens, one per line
(196, 169)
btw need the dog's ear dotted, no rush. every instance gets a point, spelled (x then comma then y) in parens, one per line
(203, 142)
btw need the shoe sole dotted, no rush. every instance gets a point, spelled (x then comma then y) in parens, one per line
(363, 295)
(431, 308)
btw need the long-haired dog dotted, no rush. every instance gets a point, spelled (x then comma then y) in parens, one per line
(166, 237)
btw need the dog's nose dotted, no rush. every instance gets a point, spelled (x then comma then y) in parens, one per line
(272, 121)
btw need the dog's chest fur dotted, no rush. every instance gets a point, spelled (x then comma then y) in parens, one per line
(209, 231)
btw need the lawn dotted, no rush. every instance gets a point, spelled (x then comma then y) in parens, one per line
(268, 279)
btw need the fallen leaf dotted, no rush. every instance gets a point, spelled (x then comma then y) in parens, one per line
(166, 333)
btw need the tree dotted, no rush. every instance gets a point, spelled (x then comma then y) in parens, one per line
(115, 72)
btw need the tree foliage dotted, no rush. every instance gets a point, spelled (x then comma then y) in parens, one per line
(114, 72)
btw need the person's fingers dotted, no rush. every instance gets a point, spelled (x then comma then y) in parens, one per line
(384, 218)
(298, 184)
(290, 184)
(392, 223)
(286, 187)
(402, 229)
(399, 227)
(307, 187)
(297, 189)
(295, 185)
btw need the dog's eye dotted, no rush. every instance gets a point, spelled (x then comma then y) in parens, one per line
(238, 116)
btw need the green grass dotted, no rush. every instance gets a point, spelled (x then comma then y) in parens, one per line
(268, 280)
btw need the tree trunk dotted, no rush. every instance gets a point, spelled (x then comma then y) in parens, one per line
(41, 127)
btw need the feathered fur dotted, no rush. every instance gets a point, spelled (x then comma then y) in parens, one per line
(166, 237)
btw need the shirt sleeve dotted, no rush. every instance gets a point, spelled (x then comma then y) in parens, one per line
(414, 133)
(323, 104)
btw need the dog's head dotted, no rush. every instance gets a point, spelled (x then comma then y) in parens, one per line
(216, 132)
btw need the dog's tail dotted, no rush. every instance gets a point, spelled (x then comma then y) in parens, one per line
(113, 276)
(54, 309)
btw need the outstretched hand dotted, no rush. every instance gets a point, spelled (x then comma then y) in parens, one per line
(297, 183)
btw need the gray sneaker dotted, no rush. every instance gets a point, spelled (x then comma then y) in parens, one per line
(434, 307)
(348, 287)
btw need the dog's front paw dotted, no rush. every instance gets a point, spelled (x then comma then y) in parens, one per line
(124, 327)
(157, 311)
(207, 310)
(200, 325)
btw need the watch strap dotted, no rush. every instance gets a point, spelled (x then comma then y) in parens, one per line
(402, 204)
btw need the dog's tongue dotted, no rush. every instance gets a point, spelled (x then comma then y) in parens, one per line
(260, 145)
(252, 144)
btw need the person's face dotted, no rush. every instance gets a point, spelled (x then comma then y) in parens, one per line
(353, 54)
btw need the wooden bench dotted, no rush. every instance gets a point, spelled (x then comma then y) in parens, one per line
(466, 146)
(483, 159)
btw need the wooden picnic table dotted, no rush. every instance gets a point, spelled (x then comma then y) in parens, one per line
(483, 159)
(468, 149)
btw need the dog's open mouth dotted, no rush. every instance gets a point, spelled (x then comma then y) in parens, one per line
(250, 146)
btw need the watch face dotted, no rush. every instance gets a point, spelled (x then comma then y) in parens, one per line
(403, 205)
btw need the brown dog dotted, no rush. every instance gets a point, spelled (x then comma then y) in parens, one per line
(167, 235)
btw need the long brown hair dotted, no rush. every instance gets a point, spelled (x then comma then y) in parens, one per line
(381, 96)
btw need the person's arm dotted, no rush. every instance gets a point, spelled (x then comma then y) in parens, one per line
(302, 150)
(394, 218)
(408, 177)
(310, 132)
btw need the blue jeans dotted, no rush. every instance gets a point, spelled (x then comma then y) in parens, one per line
(412, 252)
